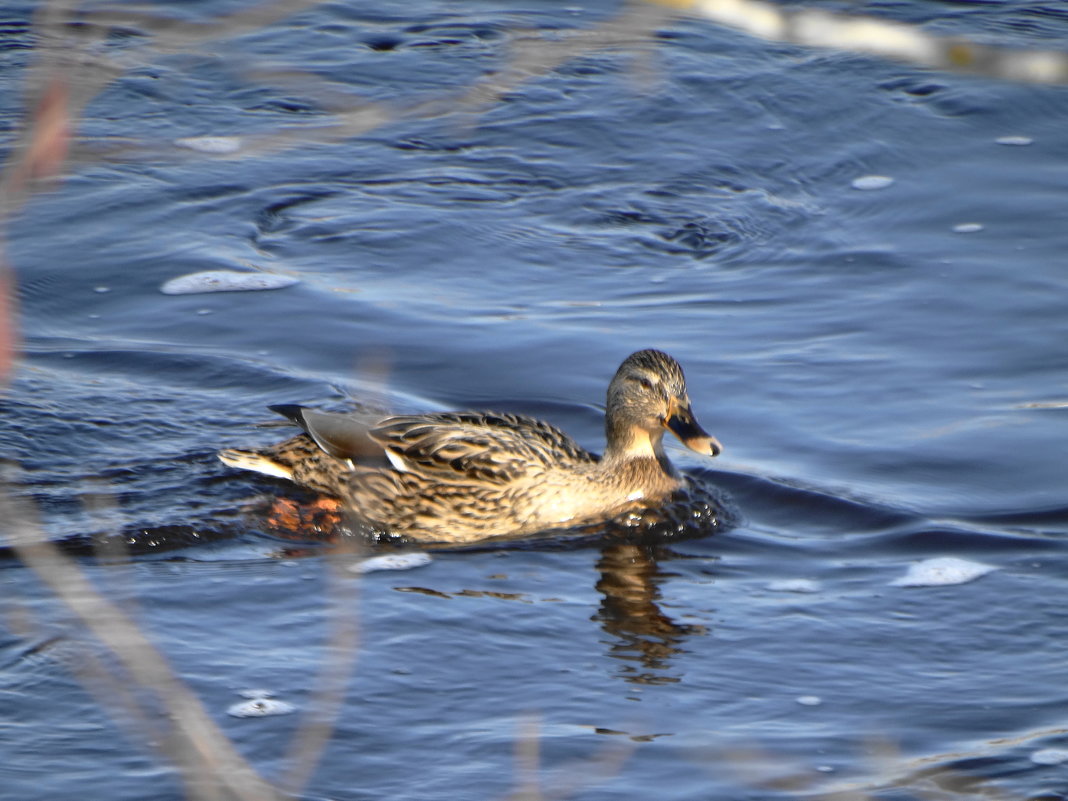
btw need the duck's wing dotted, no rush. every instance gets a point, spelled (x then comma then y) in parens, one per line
(485, 447)
(343, 436)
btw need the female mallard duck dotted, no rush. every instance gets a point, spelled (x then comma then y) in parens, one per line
(465, 476)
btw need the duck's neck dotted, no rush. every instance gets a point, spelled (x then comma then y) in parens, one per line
(628, 444)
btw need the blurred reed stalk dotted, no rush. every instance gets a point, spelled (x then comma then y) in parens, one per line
(566, 781)
(72, 64)
(135, 684)
(149, 695)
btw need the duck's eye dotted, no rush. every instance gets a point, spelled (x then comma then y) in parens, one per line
(644, 382)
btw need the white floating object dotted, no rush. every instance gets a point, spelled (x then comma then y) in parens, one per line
(1050, 756)
(870, 182)
(967, 228)
(392, 561)
(794, 585)
(941, 571)
(1018, 141)
(259, 708)
(809, 700)
(217, 145)
(225, 281)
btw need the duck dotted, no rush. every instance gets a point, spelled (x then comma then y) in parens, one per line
(465, 476)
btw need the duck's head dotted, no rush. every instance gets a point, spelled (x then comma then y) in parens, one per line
(646, 397)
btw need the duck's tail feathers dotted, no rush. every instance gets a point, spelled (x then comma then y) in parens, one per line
(256, 462)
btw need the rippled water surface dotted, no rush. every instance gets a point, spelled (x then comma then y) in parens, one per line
(885, 367)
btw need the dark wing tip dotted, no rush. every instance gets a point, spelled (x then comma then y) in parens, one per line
(291, 411)
(340, 435)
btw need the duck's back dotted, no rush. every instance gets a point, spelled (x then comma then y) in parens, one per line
(476, 446)
(459, 476)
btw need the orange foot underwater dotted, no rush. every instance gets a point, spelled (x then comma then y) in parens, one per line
(292, 519)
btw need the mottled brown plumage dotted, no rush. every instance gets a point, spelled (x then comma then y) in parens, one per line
(466, 476)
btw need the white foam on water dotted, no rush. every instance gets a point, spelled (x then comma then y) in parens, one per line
(795, 585)
(218, 145)
(871, 182)
(1017, 141)
(942, 571)
(392, 561)
(1050, 756)
(225, 281)
(260, 708)
(967, 228)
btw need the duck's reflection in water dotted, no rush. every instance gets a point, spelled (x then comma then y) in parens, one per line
(644, 637)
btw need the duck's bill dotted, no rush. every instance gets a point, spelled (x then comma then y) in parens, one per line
(683, 425)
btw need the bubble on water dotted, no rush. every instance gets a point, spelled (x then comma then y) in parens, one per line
(392, 561)
(218, 145)
(967, 228)
(1050, 756)
(795, 585)
(225, 281)
(809, 700)
(942, 571)
(1017, 141)
(870, 182)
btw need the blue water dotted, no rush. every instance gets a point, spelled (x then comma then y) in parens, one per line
(887, 390)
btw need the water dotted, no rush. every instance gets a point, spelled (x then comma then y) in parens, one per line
(888, 386)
